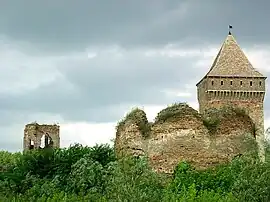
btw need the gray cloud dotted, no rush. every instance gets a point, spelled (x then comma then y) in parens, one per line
(90, 88)
(11, 138)
(68, 24)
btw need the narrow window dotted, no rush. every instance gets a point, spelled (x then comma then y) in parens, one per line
(221, 82)
(231, 82)
(31, 144)
(260, 83)
(250, 83)
(241, 83)
(212, 83)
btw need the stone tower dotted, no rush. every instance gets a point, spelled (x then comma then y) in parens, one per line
(41, 136)
(233, 81)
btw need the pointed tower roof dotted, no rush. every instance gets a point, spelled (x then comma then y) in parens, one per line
(231, 61)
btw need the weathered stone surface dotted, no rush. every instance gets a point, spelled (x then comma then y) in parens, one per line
(131, 143)
(34, 133)
(186, 138)
(181, 133)
(233, 81)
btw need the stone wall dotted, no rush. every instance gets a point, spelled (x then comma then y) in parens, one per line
(184, 134)
(235, 84)
(34, 134)
(245, 93)
(133, 143)
(201, 94)
(255, 111)
(232, 89)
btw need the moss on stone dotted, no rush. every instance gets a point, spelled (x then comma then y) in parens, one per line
(249, 144)
(138, 117)
(226, 111)
(176, 111)
(213, 116)
(211, 123)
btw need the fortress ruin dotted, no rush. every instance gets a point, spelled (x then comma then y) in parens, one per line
(41, 136)
(230, 117)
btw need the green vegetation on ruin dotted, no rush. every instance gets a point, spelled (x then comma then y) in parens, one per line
(136, 116)
(211, 123)
(175, 111)
(82, 173)
(212, 117)
(171, 113)
(226, 111)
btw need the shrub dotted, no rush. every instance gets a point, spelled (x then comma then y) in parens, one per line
(211, 123)
(92, 174)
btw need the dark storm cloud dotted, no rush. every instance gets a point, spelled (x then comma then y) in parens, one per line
(90, 88)
(66, 24)
(70, 24)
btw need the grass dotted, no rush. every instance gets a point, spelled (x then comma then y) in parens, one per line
(211, 123)
(138, 117)
(211, 118)
(175, 111)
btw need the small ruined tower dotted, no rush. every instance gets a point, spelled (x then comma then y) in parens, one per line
(41, 136)
(233, 81)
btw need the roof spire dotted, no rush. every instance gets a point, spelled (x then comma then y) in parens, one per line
(231, 61)
(230, 27)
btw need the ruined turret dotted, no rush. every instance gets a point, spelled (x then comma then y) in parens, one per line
(41, 136)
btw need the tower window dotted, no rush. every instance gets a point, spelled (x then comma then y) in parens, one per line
(241, 83)
(231, 82)
(221, 83)
(212, 83)
(260, 83)
(250, 83)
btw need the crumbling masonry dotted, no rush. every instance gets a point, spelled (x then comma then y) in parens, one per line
(232, 81)
(230, 97)
(41, 136)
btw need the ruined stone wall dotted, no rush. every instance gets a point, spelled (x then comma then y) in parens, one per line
(201, 95)
(189, 137)
(35, 133)
(245, 93)
(255, 111)
(133, 143)
(136, 125)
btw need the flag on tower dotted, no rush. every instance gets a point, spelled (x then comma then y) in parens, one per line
(230, 27)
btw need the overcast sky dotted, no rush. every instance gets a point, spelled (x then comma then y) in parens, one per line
(85, 63)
